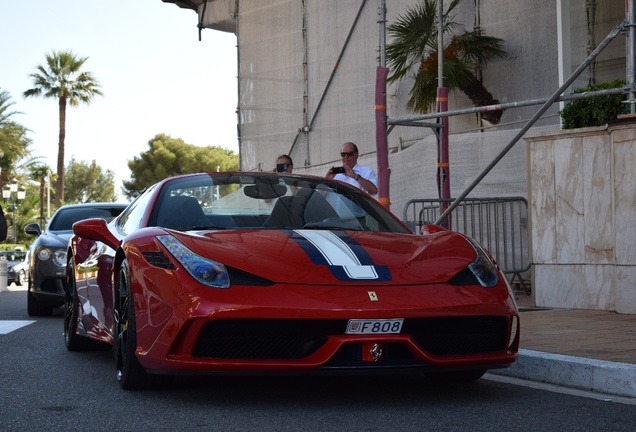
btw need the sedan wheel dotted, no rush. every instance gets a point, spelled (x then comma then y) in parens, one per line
(130, 374)
(21, 277)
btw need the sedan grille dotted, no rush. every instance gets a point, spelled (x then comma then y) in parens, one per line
(262, 339)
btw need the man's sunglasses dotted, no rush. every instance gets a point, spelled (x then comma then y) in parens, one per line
(343, 154)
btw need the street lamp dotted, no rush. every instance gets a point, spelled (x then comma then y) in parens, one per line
(16, 193)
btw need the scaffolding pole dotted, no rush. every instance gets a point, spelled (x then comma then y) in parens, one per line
(615, 31)
(631, 53)
(443, 160)
(382, 155)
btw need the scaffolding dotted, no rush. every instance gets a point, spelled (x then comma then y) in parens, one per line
(627, 27)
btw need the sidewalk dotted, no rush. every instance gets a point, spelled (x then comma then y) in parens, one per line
(585, 349)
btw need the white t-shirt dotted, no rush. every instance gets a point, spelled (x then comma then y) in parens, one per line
(364, 172)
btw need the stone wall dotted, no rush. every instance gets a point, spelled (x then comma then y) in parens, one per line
(582, 205)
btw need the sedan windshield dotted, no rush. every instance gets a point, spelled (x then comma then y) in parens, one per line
(268, 201)
(65, 217)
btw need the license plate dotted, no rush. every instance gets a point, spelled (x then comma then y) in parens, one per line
(380, 326)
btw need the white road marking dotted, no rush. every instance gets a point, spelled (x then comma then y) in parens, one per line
(9, 326)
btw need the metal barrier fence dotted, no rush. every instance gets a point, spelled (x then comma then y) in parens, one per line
(499, 224)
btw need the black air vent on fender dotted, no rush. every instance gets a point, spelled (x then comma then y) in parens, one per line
(240, 277)
(463, 278)
(158, 259)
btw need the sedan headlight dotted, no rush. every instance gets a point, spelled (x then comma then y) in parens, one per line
(58, 256)
(204, 270)
(483, 268)
(44, 254)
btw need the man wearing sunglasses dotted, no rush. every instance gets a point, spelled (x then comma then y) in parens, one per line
(359, 176)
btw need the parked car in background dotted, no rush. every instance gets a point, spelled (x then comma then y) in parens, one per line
(276, 273)
(17, 270)
(47, 265)
(15, 266)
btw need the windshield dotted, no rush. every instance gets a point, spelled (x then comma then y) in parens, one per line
(12, 255)
(268, 201)
(64, 218)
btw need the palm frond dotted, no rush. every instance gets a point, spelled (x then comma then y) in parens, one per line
(414, 49)
(414, 34)
(478, 48)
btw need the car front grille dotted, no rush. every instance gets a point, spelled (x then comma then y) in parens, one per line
(459, 335)
(273, 339)
(52, 286)
(264, 339)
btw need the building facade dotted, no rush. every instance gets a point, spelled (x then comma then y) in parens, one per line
(307, 70)
(306, 78)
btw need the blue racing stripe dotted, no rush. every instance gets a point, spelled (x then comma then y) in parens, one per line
(347, 259)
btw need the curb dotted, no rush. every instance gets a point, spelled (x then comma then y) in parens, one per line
(586, 374)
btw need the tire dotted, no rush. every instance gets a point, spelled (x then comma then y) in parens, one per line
(35, 309)
(130, 374)
(72, 340)
(20, 278)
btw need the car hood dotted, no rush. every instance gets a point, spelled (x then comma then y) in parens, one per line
(54, 239)
(330, 257)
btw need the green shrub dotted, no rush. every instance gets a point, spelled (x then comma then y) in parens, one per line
(594, 111)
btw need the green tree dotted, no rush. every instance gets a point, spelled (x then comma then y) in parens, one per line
(414, 48)
(13, 139)
(88, 183)
(26, 212)
(64, 80)
(169, 156)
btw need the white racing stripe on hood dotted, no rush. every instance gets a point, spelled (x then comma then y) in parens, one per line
(338, 253)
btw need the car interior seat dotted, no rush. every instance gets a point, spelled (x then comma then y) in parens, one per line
(296, 211)
(178, 212)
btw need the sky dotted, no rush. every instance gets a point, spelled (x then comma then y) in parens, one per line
(155, 74)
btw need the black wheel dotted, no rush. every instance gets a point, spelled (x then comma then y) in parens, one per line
(72, 340)
(34, 308)
(130, 374)
(21, 277)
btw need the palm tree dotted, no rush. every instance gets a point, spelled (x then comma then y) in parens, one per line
(414, 46)
(5, 104)
(40, 173)
(64, 80)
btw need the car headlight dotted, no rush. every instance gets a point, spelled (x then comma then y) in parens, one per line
(44, 254)
(59, 258)
(206, 271)
(482, 267)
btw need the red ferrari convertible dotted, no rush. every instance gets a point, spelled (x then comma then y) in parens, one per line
(273, 273)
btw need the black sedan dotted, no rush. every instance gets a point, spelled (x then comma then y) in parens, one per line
(47, 269)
